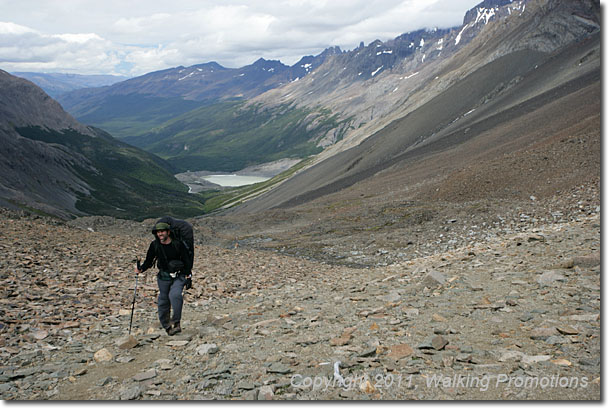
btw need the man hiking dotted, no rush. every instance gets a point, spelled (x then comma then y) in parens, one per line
(175, 266)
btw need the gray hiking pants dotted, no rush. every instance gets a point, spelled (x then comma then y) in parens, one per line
(170, 296)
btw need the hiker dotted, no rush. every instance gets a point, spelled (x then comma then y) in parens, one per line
(175, 266)
(183, 231)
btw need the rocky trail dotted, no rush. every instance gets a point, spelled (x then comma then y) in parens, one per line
(513, 316)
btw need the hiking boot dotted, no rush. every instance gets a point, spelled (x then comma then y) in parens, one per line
(166, 322)
(174, 329)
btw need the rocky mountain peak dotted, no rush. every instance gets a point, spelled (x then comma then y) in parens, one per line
(270, 66)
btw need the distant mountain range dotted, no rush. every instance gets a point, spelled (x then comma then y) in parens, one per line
(56, 84)
(208, 117)
(373, 109)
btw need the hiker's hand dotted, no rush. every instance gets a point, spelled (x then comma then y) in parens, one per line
(137, 266)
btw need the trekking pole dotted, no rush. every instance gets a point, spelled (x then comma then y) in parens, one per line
(135, 289)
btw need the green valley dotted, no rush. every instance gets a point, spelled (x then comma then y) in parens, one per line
(229, 136)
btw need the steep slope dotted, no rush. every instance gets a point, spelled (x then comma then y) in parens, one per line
(501, 75)
(53, 163)
(431, 61)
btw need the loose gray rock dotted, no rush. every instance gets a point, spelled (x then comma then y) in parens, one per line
(132, 392)
(207, 348)
(433, 279)
(148, 374)
(266, 393)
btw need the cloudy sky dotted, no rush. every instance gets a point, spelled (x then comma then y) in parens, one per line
(136, 37)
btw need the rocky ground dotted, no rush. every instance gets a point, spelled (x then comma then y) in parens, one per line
(502, 303)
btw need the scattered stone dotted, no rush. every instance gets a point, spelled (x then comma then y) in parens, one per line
(438, 318)
(207, 348)
(567, 330)
(434, 279)
(541, 333)
(588, 261)
(80, 372)
(279, 368)
(371, 351)
(549, 277)
(439, 342)
(344, 338)
(177, 343)
(265, 393)
(148, 374)
(526, 317)
(103, 355)
(561, 362)
(246, 385)
(127, 342)
(400, 351)
(130, 392)
(411, 312)
(40, 334)
(393, 296)
(535, 359)
(583, 318)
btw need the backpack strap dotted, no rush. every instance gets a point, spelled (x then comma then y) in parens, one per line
(159, 249)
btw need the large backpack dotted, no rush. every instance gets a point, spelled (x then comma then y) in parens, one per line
(181, 231)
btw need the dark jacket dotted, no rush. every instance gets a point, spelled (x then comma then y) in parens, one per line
(162, 254)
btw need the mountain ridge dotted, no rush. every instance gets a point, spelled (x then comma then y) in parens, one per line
(487, 46)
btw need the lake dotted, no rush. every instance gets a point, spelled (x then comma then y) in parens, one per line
(233, 180)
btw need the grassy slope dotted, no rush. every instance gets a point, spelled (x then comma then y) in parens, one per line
(229, 136)
(132, 115)
(129, 183)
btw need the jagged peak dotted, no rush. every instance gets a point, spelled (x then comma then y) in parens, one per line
(486, 10)
(331, 51)
(261, 62)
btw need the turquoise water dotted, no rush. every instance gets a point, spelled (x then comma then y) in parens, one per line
(234, 180)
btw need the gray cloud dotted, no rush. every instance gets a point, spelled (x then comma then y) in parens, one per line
(141, 36)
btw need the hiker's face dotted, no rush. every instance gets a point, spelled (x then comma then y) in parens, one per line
(162, 235)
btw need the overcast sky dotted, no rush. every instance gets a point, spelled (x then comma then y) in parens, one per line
(136, 37)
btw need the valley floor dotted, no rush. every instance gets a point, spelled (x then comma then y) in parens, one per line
(510, 316)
